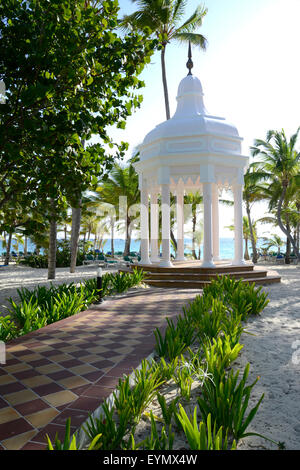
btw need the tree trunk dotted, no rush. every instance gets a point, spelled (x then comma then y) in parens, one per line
(194, 221)
(25, 245)
(76, 217)
(280, 223)
(52, 245)
(298, 227)
(246, 254)
(173, 239)
(112, 235)
(128, 237)
(8, 246)
(164, 79)
(288, 247)
(253, 242)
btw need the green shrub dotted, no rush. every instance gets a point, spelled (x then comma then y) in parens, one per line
(8, 329)
(227, 402)
(202, 436)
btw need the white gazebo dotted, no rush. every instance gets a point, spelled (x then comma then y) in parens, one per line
(192, 151)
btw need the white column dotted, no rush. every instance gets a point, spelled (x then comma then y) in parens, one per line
(238, 225)
(144, 226)
(180, 225)
(165, 207)
(154, 227)
(207, 249)
(215, 222)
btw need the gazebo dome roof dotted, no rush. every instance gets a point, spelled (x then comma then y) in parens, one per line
(191, 117)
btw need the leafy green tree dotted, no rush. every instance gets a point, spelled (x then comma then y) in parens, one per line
(280, 165)
(164, 18)
(68, 76)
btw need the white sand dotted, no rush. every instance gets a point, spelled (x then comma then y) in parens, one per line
(272, 352)
(14, 277)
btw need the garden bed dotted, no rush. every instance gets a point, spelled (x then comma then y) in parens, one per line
(187, 395)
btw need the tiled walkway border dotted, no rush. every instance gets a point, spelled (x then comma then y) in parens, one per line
(69, 368)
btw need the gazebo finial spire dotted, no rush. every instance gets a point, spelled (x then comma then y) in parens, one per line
(189, 63)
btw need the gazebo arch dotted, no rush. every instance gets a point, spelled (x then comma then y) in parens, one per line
(196, 151)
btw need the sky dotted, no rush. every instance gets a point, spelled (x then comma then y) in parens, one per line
(249, 73)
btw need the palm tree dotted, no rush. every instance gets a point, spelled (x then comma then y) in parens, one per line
(275, 241)
(194, 200)
(122, 182)
(246, 234)
(253, 192)
(164, 19)
(280, 163)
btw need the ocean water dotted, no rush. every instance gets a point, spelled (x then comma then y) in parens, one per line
(226, 246)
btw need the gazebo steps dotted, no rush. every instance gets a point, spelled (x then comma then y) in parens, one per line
(187, 284)
(204, 277)
(193, 276)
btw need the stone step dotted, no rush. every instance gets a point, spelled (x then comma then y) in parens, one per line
(186, 276)
(178, 268)
(187, 284)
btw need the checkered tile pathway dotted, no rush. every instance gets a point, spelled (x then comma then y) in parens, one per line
(68, 368)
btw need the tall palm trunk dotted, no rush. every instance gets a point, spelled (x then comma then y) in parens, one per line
(52, 243)
(164, 79)
(128, 236)
(25, 245)
(8, 246)
(253, 242)
(246, 254)
(76, 217)
(194, 222)
(112, 236)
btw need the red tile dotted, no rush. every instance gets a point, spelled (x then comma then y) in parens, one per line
(12, 428)
(40, 362)
(31, 407)
(61, 374)
(77, 417)
(103, 364)
(85, 404)
(51, 430)
(108, 381)
(97, 392)
(93, 376)
(45, 389)
(10, 388)
(26, 374)
(71, 363)
(34, 446)
(3, 404)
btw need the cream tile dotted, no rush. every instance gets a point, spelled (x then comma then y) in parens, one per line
(41, 418)
(7, 379)
(73, 382)
(17, 368)
(49, 369)
(30, 357)
(8, 414)
(17, 442)
(85, 369)
(60, 398)
(20, 397)
(36, 381)
(61, 357)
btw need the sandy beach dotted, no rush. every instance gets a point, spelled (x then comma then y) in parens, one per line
(14, 277)
(272, 349)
